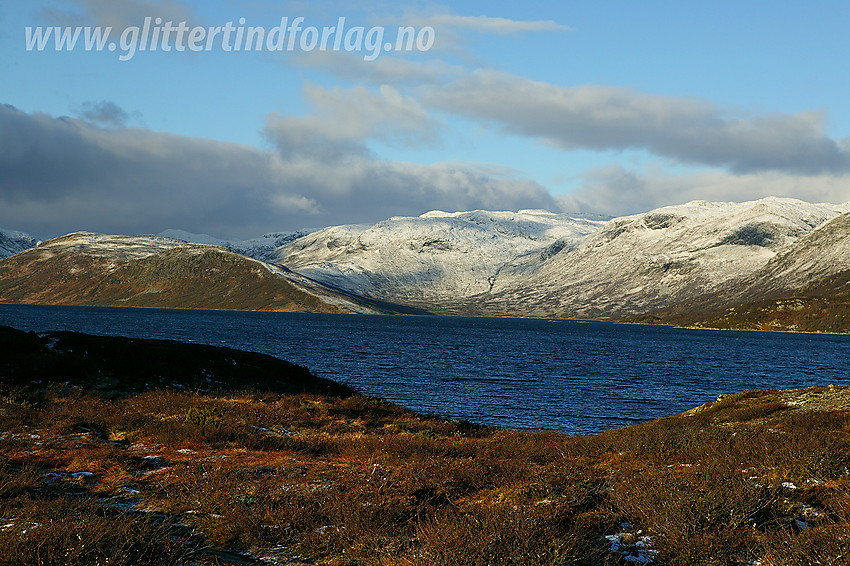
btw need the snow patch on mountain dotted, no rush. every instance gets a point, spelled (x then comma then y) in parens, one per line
(437, 256)
(13, 242)
(117, 248)
(261, 248)
(822, 253)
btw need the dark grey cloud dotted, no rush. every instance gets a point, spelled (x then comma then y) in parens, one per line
(688, 130)
(60, 174)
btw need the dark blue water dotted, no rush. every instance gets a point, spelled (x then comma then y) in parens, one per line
(523, 373)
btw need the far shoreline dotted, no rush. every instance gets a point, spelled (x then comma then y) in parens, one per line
(438, 315)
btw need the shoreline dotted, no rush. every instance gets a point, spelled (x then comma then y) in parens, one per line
(405, 314)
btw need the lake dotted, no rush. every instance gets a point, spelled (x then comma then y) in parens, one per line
(575, 377)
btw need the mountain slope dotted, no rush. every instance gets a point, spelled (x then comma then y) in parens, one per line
(150, 271)
(12, 242)
(775, 263)
(806, 287)
(669, 256)
(435, 259)
(818, 256)
(823, 306)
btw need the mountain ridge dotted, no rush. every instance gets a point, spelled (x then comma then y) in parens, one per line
(648, 261)
(261, 248)
(804, 288)
(436, 256)
(90, 269)
(706, 264)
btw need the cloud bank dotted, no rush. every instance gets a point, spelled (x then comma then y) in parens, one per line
(688, 130)
(616, 190)
(63, 174)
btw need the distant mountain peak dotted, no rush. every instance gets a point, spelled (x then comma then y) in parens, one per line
(13, 242)
(261, 248)
(432, 258)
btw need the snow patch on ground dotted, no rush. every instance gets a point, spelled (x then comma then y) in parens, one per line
(634, 547)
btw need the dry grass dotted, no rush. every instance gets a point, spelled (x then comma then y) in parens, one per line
(166, 477)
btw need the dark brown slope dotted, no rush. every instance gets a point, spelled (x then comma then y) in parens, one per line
(822, 306)
(96, 270)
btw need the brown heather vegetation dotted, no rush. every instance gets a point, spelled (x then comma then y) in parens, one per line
(65, 271)
(188, 276)
(227, 477)
(820, 306)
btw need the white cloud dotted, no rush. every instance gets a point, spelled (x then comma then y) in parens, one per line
(119, 13)
(489, 24)
(618, 191)
(297, 203)
(387, 69)
(685, 129)
(343, 120)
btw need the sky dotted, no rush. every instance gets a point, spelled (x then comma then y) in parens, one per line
(606, 107)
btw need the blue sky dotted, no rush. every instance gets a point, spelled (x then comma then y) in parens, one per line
(609, 107)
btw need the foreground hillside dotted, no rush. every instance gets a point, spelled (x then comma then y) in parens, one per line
(229, 476)
(150, 271)
(118, 366)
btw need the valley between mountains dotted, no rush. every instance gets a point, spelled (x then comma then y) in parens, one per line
(770, 264)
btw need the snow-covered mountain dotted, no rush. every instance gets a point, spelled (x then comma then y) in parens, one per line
(535, 263)
(804, 287)
(12, 242)
(434, 258)
(668, 256)
(685, 264)
(261, 248)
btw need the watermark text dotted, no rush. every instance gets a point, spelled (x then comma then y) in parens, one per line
(166, 36)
